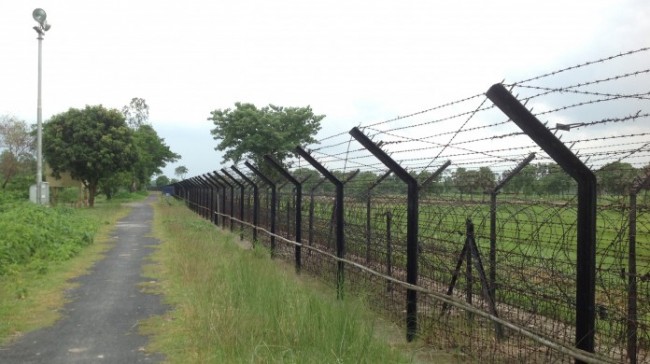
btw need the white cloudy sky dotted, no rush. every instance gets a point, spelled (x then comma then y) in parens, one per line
(355, 61)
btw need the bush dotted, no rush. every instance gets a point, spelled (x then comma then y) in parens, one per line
(33, 233)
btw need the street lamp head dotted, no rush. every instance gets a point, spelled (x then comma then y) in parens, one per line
(40, 16)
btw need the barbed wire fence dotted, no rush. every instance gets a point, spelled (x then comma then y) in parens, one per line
(479, 233)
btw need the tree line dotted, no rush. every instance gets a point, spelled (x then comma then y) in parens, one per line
(615, 178)
(105, 149)
(249, 132)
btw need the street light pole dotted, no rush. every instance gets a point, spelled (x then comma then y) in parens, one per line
(40, 16)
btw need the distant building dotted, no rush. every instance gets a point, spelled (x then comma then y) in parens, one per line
(58, 185)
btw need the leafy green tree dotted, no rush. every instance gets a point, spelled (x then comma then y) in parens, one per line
(162, 180)
(110, 185)
(18, 146)
(485, 179)
(524, 182)
(466, 181)
(553, 180)
(250, 132)
(180, 172)
(153, 154)
(92, 144)
(616, 177)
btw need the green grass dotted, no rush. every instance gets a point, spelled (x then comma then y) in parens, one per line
(32, 294)
(231, 305)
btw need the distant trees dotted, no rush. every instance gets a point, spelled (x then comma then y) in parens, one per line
(471, 181)
(616, 178)
(524, 182)
(161, 181)
(17, 147)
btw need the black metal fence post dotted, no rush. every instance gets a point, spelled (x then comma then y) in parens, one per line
(203, 191)
(493, 220)
(310, 232)
(217, 177)
(277, 166)
(389, 249)
(184, 190)
(256, 200)
(469, 234)
(369, 209)
(632, 294)
(274, 204)
(232, 198)
(241, 202)
(194, 194)
(339, 217)
(434, 175)
(210, 206)
(586, 219)
(215, 198)
(411, 227)
(221, 189)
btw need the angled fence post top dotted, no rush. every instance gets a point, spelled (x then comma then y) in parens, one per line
(527, 122)
(379, 180)
(209, 179)
(303, 153)
(382, 156)
(233, 179)
(243, 176)
(513, 173)
(435, 174)
(222, 179)
(259, 174)
(585, 316)
(278, 166)
(215, 180)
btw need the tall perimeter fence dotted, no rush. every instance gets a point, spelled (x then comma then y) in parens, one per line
(508, 226)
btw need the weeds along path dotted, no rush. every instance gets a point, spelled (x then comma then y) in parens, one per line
(100, 323)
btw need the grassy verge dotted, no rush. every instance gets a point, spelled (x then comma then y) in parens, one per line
(31, 295)
(231, 305)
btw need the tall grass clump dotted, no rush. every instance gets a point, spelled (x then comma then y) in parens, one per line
(233, 305)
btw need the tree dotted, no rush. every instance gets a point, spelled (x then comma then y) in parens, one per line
(153, 154)
(616, 177)
(249, 132)
(466, 181)
(553, 180)
(92, 144)
(110, 185)
(485, 179)
(180, 172)
(136, 113)
(525, 181)
(18, 145)
(162, 180)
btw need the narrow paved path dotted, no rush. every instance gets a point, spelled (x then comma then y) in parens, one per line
(100, 324)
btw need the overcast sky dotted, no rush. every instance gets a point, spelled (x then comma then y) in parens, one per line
(355, 61)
